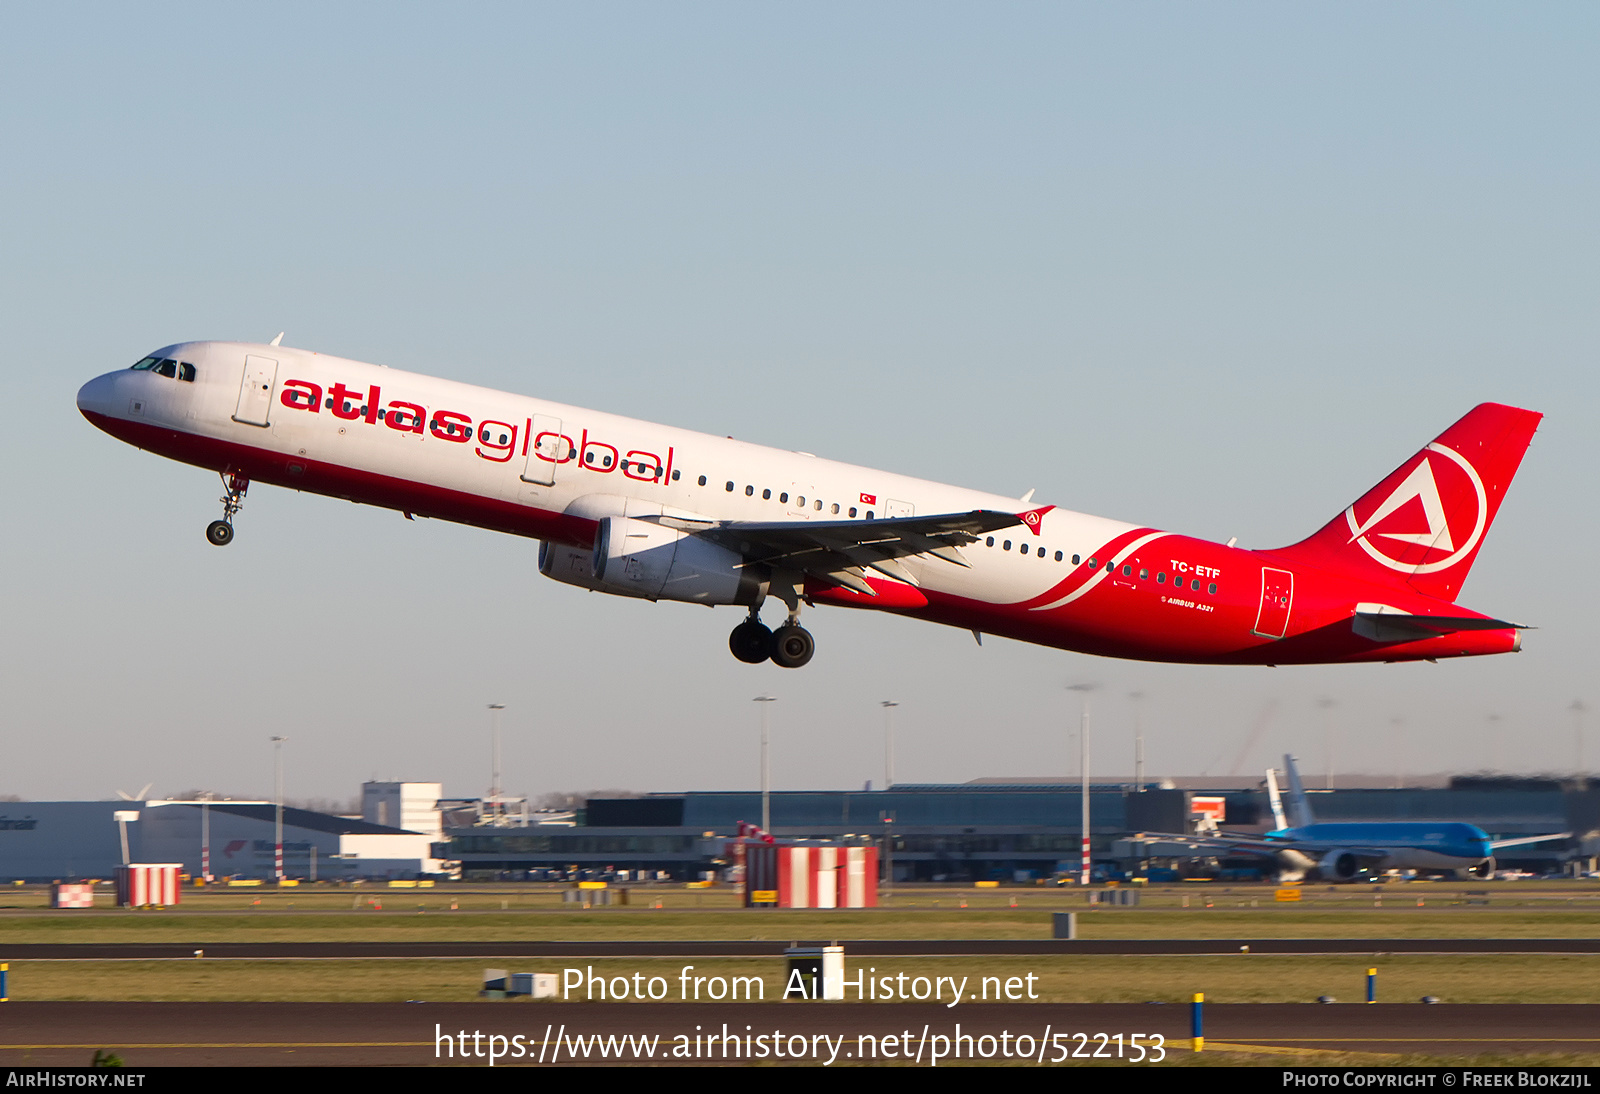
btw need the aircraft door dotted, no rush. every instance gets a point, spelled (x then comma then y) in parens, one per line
(546, 448)
(255, 390)
(1277, 597)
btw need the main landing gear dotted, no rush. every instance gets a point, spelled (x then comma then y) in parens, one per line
(219, 533)
(790, 646)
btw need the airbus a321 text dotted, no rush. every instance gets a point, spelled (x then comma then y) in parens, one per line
(643, 510)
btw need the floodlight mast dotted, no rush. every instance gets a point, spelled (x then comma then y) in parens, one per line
(277, 763)
(766, 769)
(494, 775)
(1083, 774)
(888, 742)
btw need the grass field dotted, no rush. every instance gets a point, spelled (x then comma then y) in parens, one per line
(1228, 979)
(482, 913)
(488, 913)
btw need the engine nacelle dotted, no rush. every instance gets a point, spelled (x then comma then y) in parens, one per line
(1481, 870)
(644, 559)
(1341, 866)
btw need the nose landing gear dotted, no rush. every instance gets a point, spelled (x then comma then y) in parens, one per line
(219, 533)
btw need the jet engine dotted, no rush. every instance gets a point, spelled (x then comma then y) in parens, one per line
(1341, 866)
(1480, 871)
(641, 558)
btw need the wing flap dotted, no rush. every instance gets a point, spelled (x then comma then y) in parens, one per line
(839, 552)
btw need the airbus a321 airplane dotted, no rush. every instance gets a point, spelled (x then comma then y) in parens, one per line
(643, 510)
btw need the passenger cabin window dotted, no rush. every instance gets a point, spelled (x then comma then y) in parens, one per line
(1075, 561)
(1212, 589)
(1058, 557)
(852, 510)
(766, 495)
(676, 475)
(730, 487)
(702, 480)
(749, 491)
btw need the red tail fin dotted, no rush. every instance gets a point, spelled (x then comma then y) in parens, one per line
(1423, 524)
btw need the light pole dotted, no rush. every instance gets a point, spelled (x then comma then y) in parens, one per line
(205, 839)
(766, 770)
(494, 774)
(1577, 709)
(1325, 705)
(277, 764)
(888, 742)
(1083, 769)
(1138, 743)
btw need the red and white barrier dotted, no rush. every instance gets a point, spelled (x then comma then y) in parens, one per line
(75, 895)
(827, 877)
(144, 885)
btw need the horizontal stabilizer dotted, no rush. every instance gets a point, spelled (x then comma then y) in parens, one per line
(1499, 843)
(1391, 626)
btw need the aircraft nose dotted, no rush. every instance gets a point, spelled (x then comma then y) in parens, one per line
(95, 396)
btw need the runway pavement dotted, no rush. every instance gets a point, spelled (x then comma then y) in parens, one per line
(378, 1034)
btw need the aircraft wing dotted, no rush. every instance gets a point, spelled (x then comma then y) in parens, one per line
(1224, 842)
(1499, 843)
(839, 552)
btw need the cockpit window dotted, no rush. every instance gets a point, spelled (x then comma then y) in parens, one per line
(166, 366)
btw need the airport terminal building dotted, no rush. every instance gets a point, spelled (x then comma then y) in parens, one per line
(66, 841)
(1012, 830)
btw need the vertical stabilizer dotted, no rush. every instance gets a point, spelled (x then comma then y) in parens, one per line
(1299, 808)
(1422, 526)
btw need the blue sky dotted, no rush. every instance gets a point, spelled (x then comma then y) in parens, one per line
(1209, 268)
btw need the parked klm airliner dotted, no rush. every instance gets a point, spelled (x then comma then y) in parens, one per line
(643, 510)
(1359, 850)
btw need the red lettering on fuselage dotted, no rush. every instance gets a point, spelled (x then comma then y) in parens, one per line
(302, 395)
(497, 440)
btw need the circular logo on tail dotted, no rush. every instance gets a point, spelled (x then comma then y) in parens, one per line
(1430, 521)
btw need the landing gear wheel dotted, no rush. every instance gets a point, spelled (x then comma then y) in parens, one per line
(751, 642)
(219, 533)
(792, 646)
